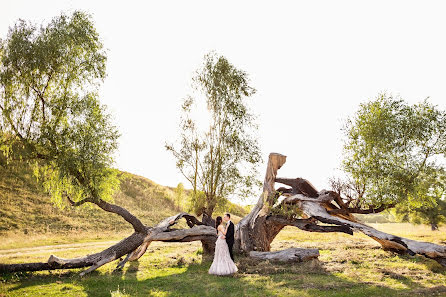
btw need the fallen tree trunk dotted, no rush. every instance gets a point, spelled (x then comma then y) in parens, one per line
(388, 242)
(114, 252)
(130, 246)
(288, 255)
(256, 231)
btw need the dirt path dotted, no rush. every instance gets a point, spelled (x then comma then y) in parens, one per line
(53, 248)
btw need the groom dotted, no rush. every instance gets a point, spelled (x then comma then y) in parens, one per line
(229, 233)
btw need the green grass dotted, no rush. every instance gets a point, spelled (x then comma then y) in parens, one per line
(31, 229)
(347, 266)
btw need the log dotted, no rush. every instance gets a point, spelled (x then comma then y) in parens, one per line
(133, 246)
(116, 251)
(289, 255)
(315, 208)
(309, 225)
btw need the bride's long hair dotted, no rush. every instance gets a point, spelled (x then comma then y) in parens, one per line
(217, 222)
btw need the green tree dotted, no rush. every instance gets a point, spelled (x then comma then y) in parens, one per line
(392, 152)
(433, 211)
(222, 159)
(50, 112)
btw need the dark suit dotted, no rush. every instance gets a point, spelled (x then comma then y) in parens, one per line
(230, 238)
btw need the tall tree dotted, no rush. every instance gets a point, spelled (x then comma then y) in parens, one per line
(392, 152)
(221, 159)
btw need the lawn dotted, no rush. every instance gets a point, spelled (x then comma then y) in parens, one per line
(347, 266)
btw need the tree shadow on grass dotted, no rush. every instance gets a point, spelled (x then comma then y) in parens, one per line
(253, 279)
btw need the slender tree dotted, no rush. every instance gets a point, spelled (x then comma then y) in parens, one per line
(220, 160)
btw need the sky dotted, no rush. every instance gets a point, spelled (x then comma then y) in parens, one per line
(312, 63)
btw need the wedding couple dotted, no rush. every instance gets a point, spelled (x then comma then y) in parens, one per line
(223, 263)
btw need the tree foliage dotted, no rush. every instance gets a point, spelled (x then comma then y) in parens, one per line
(393, 153)
(221, 159)
(433, 210)
(50, 113)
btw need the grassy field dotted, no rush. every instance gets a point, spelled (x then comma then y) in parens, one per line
(348, 266)
(31, 229)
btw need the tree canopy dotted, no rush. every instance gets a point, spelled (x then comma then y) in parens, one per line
(51, 116)
(221, 159)
(393, 153)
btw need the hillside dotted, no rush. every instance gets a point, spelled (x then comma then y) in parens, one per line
(24, 208)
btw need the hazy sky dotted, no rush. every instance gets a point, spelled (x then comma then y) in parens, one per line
(312, 63)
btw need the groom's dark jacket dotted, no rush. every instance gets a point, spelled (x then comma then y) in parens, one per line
(230, 234)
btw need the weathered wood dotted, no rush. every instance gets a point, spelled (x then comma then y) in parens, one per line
(309, 225)
(315, 208)
(319, 206)
(114, 252)
(116, 209)
(299, 186)
(253, 232)
(288, 255)
(133, 246)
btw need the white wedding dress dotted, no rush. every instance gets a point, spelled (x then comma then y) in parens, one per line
(222, 264)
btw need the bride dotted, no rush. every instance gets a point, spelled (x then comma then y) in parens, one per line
(222, 264)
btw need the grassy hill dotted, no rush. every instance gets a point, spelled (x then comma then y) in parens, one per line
(24, 208)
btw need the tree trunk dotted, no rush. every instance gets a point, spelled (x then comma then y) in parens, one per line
(128, 246)
(254, 232)
(288, 255)
(207, 219)
(434, 227)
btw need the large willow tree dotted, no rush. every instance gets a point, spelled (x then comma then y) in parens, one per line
(51, 117)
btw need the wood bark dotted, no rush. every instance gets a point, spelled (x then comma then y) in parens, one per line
(133, 246)
(138, 226)
(288, 255)
(319, 208)
(257, 230)
(254, 232)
